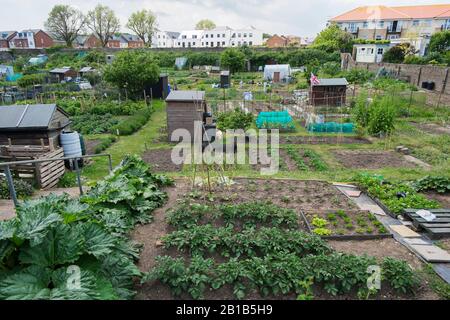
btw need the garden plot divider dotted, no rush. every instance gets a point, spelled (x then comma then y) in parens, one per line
(435, 229)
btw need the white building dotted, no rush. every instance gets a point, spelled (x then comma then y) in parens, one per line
(277, 72)
(217, 37)
(371, 53)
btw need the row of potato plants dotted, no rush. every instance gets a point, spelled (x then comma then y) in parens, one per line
(315, 159)
(261, 250)
(62, 248)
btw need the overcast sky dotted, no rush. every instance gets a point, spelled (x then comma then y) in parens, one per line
(299, 17)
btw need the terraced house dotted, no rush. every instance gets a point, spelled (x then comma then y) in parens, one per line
(414, 24)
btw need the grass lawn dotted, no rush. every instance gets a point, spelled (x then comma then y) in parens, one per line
(133, 144)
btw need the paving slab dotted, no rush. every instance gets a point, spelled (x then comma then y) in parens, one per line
(404, 231)
(431, 253)
(416, 241)
(353, 193)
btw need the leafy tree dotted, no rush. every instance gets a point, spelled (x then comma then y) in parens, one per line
(65, 23)
(103, 22)
(143, 23)
(232, 59)
(440, 42)
(132, 71)
(398, 53)
(205, 24)
(330, 68)
(333, 38)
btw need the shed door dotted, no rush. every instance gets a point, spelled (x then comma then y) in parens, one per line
(276, 76)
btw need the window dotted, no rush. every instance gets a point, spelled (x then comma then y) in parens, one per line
(365, 24)
(250, 35)
(415, 23)
(207, 43)
(223, 35)
(380, 51)
(233, 44)
(206, 36)
(380, 24)
(234, 35)
(223, 43)
(250, 43)
(194, 36)
(218, 35)
(239, 35)
(245, 35)
(179, 43)
(183, 37)
(159, 36)
(218, 43)
(378, 37)
(427, 23)
(212, 36)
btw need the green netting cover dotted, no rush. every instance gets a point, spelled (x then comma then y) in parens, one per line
(274, 119)
(331, 127)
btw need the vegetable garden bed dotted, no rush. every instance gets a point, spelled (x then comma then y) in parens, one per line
(320, 139)
(371, 159)
(345, 225)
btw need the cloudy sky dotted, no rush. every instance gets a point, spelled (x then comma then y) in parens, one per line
(299, 17)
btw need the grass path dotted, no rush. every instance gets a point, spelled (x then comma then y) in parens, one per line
(133, 144)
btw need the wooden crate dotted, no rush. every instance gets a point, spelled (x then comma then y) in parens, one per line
(48, 173)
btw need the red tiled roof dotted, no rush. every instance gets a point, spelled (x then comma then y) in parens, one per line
(389, 13)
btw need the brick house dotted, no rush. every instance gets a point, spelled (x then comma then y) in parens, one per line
(5, 38)
(31, 39)
(133, 40)
(277, 41)
(87, 42)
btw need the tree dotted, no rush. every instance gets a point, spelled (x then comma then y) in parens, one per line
(143, 23)
(397, 53)
(232, 59)
(103, 22)
(132, 71)
(440, 42)
(333, 38)
(205, 24)
(65, 23)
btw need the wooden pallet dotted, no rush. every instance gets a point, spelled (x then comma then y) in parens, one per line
(48, 173)
(436, 229)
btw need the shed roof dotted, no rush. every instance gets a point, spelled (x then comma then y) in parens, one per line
(332, 82)
(34, 116)
(60, 70)
(180, 95)
(225, 73)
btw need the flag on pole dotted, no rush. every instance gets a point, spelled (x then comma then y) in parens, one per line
(314, 79)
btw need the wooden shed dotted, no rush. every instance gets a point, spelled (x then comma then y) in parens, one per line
(183, 108)
(328, 92)
(31, 132)
(63, 74)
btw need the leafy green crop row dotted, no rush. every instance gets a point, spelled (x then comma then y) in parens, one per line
(248, 214)
(396, 196)
(433, 183)
(62, 248)
(281, 273)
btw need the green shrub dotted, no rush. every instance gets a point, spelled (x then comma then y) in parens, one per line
(23, 188)
(105, 144)
(133, 123)
(236, 119)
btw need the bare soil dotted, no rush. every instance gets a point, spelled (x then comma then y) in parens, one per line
(371, 159)
(432, 128)
(442, 198)
(322, 140)
(91, 145)
(160, 160)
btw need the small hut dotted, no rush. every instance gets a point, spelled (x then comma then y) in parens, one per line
(160, 89)
(225, 79)
(277, 72)
(328, 92)
(183, 109)
(63, 74)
